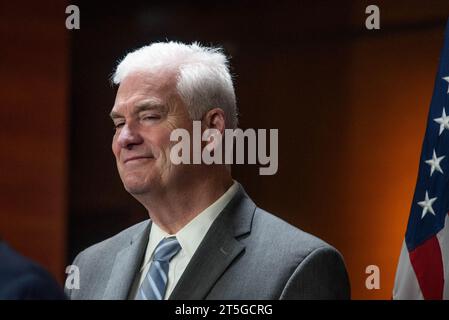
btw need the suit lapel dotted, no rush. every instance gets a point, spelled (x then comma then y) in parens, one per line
(217, 250)
(126, 264)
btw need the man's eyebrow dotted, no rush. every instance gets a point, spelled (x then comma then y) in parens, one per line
(139, 107)
(148, 105)
(115, 115)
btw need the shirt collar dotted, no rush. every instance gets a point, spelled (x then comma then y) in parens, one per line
(191, 235)
(156, 236)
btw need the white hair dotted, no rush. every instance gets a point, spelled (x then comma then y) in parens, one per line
(203, 78)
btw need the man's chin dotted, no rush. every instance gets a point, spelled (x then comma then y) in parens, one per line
(136, 188)
(135, 191)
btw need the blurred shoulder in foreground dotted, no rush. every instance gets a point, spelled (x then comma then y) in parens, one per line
(22, 279)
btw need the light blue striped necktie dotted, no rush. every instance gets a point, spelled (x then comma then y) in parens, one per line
(155, 283)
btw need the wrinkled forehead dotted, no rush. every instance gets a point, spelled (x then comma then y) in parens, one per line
(155, 86)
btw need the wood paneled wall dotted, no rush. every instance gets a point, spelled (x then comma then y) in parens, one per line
(34, 130)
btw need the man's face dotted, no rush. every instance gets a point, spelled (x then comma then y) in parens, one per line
(146, 110)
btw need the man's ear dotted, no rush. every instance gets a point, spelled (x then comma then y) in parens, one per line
(213, 128)
(214, 119)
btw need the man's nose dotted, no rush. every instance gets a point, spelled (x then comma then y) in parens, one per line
(129, 136)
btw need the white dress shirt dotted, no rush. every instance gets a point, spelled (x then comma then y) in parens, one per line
(189, 237)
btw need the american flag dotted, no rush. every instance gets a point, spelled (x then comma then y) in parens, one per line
(424, 260)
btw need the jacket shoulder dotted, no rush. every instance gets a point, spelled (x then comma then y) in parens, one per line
(274, 227)
(316, 270)
(101, 257)
(113, 243)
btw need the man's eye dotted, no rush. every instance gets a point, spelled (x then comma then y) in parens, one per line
(118, 125)
(152, 117)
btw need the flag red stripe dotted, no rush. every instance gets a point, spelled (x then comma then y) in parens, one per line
(428, 265)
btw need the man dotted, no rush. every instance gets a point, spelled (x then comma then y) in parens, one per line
(22, 279)
(206, 239)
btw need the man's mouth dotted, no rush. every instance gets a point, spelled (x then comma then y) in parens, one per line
(137, 158)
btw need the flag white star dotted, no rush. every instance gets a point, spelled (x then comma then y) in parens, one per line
(447, 80)
(434, 163)
(443, 121)
(427, 205)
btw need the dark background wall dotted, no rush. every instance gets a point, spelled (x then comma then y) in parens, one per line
(34, 107)
(350, 105)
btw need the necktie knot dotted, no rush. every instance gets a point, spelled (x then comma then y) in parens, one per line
(166, 249)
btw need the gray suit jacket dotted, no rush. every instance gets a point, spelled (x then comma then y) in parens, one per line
(246, 254)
